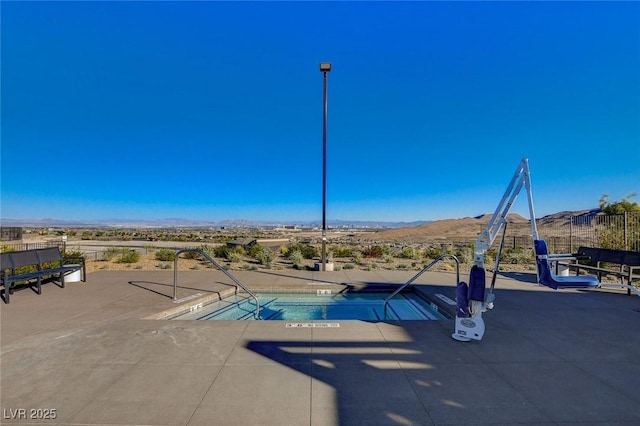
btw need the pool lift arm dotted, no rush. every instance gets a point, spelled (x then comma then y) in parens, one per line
(471, 298)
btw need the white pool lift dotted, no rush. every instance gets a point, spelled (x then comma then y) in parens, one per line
(472, 300)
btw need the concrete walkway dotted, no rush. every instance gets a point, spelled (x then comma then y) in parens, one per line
(85, 355)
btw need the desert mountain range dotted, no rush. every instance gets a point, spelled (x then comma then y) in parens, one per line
(471, 226)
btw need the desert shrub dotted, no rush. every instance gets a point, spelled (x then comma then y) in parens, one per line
(516, 256)
(211, 251)
(308, 251)
(372, 266)
(375, 251)
(296, 257)
(229, 253)
(221, 251)
(357, 257)
(402, 266)
(166, 255)
(433, 252)
(254, 251)
(72, 253)
(341, 251)
(610, 237)
(150, 248)
(191, 255)
(111, 253)
(408, 253)
(464, 254)
(235, 256)
(164, 266)
(348, 266)
(129, 256)
(266, 257)
(387, 258)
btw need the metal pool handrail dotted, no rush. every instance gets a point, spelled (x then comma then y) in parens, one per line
(217, 265)
(425, 269)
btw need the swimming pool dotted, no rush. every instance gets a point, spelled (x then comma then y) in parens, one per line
(318, 306)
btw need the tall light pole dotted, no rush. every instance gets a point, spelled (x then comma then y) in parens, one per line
(325, 67)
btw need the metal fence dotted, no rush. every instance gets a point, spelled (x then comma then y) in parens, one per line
(620, 232)
(18, 245)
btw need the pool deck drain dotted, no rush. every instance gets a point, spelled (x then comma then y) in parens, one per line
(312, 325)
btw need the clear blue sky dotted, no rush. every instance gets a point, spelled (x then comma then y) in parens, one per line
(213, 110)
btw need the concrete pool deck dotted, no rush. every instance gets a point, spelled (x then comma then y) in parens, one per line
(86, 354)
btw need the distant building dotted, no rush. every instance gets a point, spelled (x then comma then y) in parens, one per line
(10, 233)
(242, 242)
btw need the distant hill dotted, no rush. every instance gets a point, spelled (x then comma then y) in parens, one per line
(470, 227)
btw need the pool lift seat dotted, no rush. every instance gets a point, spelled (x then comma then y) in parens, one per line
(548, 278)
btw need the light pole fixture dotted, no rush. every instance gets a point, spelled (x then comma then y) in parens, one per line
(325, 67)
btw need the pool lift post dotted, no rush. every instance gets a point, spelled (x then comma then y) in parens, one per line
(471, 300)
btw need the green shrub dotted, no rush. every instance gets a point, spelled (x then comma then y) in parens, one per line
(221, 251)
(348, 266)
(464, 254)
(266, 257)
(130, 256)
(254, 251)
(307, 251)
(235, 256)
(149, 248)
(166, 255)
(192, 255)
(408, 253)
(229, 253)
(296, 257)
(111, 253)
(211, 251)
(72, 254)
(340, 251)
(516, 256)
(433, 252)
(375, 251)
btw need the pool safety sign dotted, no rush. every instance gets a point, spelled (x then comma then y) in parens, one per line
(312, 324)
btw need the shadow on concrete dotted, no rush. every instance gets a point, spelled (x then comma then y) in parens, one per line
(525, 277)
(412, 372)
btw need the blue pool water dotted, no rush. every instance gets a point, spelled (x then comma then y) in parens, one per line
(341, 306)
